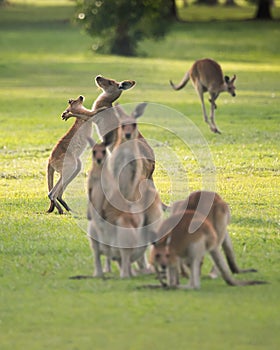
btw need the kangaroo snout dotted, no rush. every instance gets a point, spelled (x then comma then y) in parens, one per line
(99, 160)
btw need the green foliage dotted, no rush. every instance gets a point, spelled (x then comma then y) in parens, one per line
(45, 61)
(117, 26)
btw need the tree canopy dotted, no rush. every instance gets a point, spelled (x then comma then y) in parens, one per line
(117, 26)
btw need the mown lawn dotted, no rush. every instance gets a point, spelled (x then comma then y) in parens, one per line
(44, 61)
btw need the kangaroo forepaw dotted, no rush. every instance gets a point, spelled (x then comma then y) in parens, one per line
(66, 115)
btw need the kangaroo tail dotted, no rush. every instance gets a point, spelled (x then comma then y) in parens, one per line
(184, 81)
(222, 266)
(50, 175)
(230, 256)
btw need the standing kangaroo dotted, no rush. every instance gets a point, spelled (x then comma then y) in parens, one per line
(117, 231)
(132, 208)
(96, 201)
(65, 156)
(129, 129)
(206, 75)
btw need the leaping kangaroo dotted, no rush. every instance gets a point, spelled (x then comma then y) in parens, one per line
(206, 75)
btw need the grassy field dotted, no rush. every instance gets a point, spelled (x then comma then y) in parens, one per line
(44, 61)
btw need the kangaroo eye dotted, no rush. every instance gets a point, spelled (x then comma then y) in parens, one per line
(157, 256)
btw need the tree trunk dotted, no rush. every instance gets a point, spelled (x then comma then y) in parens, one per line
(207, 2)
(230, 3)
(263, 10)
(173, 10)
(122, 44)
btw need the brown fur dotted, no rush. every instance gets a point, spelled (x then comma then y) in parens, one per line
(130, 131)
(122, 231)
(124, 235)
(211, 206)
(179, 241)
(65, 156)
(206, 75)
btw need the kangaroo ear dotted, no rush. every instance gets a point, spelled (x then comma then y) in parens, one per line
(139, 110)
(91, 142)
(227, 79)
(233, 78)
(81, 98)
(152, 237)
(126, 84)
(70, 101)
(120, 111)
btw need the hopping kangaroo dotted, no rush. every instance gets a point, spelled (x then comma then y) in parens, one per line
(206, 75)
(180, 241)
(65, 156)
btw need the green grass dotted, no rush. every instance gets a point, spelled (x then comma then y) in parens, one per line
(44, 61)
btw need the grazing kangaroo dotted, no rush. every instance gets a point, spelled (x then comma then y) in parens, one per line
(206, 75)
(179, 241)
(65, 156)
(216, 210)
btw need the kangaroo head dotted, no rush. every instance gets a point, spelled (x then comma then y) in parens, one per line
(159, 256)
(129, 122)
(75, 106)
(129, 129)
(230, 85)
(99, 153)
(112, 86)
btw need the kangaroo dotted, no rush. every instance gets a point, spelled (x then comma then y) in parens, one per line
(107, 122)
(105, 237)
(179, 241)
(217, 211)
(96, 201)
(130, 131)
(65, 156)
(120, 234)
(132, 208)
(206, 75)
(129, 231)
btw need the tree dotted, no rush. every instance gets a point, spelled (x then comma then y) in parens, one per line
(117, 26)
(207, 2)
(230, 3)
(263, 9)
